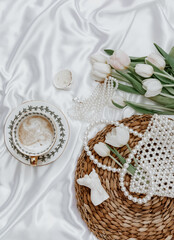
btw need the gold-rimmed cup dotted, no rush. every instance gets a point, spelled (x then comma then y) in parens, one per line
(34, 134)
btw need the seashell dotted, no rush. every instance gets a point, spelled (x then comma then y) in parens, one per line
(63, 79)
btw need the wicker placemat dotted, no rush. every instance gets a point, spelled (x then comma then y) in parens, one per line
(118, 217)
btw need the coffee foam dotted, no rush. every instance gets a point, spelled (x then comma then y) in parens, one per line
(35, 134)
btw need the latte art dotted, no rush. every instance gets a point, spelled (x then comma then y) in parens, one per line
(35, 133)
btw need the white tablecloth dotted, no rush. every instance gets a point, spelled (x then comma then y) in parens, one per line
(37, 39)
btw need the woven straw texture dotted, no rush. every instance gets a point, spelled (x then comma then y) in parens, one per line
(118, 217)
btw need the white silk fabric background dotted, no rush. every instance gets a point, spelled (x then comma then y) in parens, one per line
(37, 39)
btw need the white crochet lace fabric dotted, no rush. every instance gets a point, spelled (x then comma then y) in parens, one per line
(155, 152)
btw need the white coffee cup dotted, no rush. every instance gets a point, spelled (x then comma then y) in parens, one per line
(34, 134)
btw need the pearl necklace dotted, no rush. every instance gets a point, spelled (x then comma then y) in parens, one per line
(92, 107)
(125, 166)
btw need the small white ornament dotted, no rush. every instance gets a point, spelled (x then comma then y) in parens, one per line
(118, 137)
(92, 181)
(101, 149)
(63, 79)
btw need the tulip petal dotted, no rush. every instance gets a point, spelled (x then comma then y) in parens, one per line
(118, 137)
(123, 58)
(99, 74)
(101, 149)
(119, 60)
(152, 86)
(98, 57)
(102, 67)
(144, 70)
(157, 60)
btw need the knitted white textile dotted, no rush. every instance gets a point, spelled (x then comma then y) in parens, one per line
(155, 152)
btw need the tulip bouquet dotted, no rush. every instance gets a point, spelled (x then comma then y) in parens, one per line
(118, 137)
(151, 76)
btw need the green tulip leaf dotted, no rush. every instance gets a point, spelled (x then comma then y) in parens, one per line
(109, 51)
(126, 88)
(138, 59)
(163, 79)
(149, 109)
(165, 101)
(170, 106)
(117, 105)
(137, 85)
(169, 59)
(135, 75)
(170, 90)
(172, 52)
(131, 168)
(161, 51)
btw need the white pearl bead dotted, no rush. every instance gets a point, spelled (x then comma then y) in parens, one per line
(140, 135)
(92, 158)
(133, 151)
(117, 124)
(126, 193)
(109, 168)
(121, 179)
(126, 165)
(89, 153)
(104, 167)
(128, 160)
(86, 148)
(95, 161)
(140, 201)
(130, 197)
(99, 165)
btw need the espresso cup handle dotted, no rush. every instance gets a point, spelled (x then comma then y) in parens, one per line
(33, 160)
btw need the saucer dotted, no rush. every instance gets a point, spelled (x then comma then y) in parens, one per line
(48, 110)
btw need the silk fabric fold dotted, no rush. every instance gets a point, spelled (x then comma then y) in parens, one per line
(37, 39)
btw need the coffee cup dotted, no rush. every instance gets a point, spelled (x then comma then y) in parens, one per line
(34, 134)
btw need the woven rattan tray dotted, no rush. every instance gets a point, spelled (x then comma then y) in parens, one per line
(118, 217)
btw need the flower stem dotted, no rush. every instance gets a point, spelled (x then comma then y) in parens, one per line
(131, 169)
(167, 95)
(130, 150)
(168, 85)
(119, 77)
(164, 75)
(116, 161)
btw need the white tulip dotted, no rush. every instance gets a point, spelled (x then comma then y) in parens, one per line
(152, 86)
(157, 60)
(144, 70)
(118, 100)
(118, 137)
(101, 149)
(98, 57)
(100, 71)
(119, 60)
